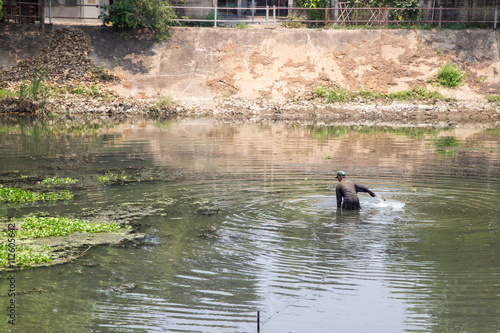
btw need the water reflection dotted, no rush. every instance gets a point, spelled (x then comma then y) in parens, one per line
(242, 218)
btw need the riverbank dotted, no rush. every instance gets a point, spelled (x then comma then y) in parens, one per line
(303, 110)
(253, 75)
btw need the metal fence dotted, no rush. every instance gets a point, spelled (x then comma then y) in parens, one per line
(381, 17)
(273, 17)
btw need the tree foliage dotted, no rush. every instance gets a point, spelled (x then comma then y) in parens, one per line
(156, 15)
(1, 5)
(399, 15)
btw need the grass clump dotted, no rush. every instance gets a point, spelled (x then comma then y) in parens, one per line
(6, 93)
(38, 227)
(59, 181)
(418, 93)
(320, 91)
(15, 195)
(450, 75)
(342, 95)
(241, 25)
(493, 99)
(338, 95)
(164, 105)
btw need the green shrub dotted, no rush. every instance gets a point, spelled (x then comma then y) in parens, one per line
(294, 23)
(156, 15)
(450, 75)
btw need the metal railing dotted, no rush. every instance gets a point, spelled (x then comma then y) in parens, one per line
(381, 17)
(272, 17)
(19, 12)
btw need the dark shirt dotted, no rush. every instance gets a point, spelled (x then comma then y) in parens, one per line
(348, 190)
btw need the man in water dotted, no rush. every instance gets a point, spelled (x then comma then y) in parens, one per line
(348, 190)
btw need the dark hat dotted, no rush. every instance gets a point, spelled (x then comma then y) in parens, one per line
(340, 174)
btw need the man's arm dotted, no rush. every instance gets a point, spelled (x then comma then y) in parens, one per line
(362, 188)
(339, 194)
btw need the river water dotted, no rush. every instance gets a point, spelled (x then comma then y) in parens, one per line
(241, 219)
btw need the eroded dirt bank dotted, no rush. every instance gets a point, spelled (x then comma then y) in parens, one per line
(284, 63)
(258, 74)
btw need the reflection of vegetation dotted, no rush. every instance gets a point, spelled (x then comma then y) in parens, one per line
(329, 132)
(336, 131)
(445, 144)
(493, 131)
(15, 195)
(447, 141)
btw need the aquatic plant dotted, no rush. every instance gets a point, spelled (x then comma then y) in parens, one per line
(110, 178)
(450, 75)
(25, 256)
(16, 195)
(37, 227)
(59, 181)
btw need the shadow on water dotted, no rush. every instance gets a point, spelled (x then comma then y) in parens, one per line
(242, 218)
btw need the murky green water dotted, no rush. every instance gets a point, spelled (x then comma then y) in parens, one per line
(242, 218)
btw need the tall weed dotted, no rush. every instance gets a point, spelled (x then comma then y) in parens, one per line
(450, 75)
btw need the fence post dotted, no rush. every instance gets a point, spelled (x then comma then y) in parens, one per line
(386, 16)
(215, 16)
(267, 15)
(496, 17)
(326, 16)
(41, 14)
(274, 16)
(379, 14)
(50, 11)
(253, 9)
(440, 14)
